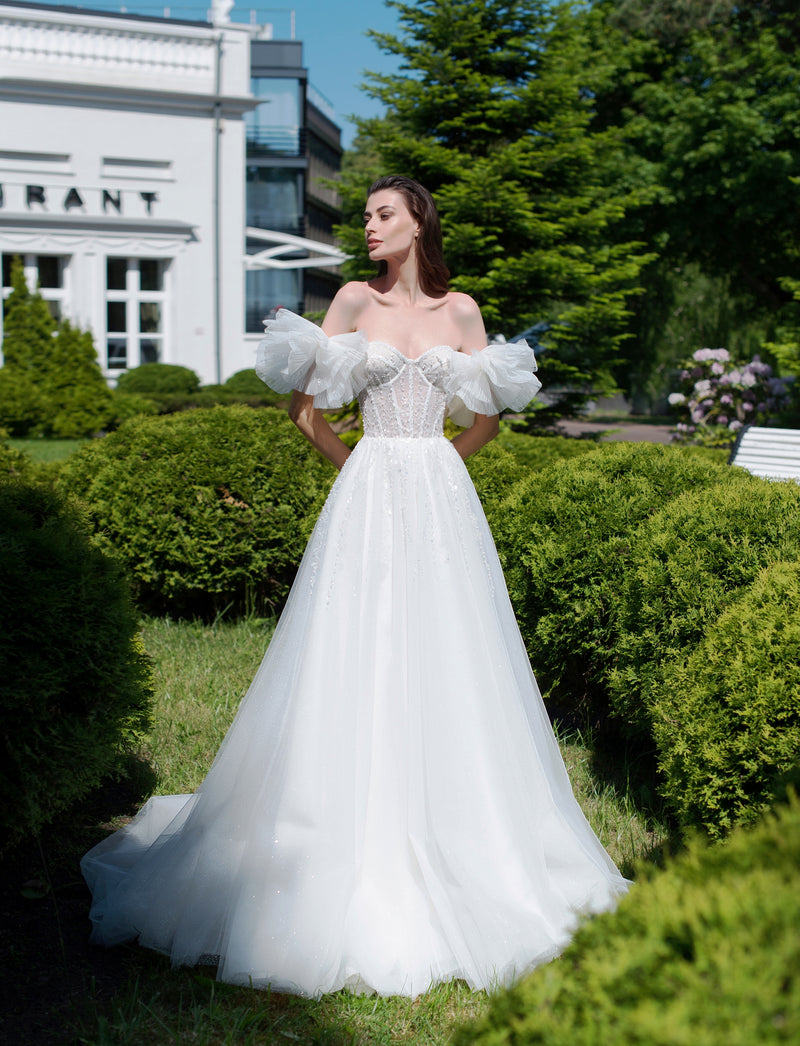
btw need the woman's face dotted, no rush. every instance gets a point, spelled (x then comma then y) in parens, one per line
(389, 226)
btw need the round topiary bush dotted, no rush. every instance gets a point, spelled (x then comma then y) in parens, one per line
(706, 952)
(688, 563)
(246, 383)
(564, 536)
(207, 510)
(727, 717)
(75, 682)
(155, 378)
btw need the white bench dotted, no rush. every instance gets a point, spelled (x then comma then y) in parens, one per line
(770, 453)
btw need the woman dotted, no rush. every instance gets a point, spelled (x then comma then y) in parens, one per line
(389, 809)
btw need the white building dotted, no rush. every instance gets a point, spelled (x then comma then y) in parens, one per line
(123, 179)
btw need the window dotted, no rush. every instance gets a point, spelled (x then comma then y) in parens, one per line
(273, 127)
(135, 302)
(269, 289)
(48, 272)
(275, 199)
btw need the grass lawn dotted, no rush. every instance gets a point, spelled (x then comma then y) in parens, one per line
(42, 450)
(201, 674)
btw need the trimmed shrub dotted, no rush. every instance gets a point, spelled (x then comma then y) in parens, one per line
(205, 509)
(727, 718)
(158, 378)
(13, 463)
(76, 683)
(705, 953)
(128, 405)
(686, 566)
(494, 471)
(537, 451)
(245, 383)
(564, 537)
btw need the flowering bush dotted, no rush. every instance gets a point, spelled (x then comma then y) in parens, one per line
(719, 396)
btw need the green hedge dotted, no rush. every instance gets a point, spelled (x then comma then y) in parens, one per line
(13, 463)
(206, 509)
(727, 717)
(564, 536)
(686, 566)
(76, 684)
(535, 452)
(706, 953)
(158, 378)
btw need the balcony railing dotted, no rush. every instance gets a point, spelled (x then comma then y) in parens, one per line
(275, 141)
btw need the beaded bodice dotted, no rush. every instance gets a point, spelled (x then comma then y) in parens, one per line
(403, 397)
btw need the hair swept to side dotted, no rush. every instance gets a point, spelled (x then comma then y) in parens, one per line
(432, 272)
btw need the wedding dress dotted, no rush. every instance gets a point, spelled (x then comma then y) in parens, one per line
(389, 808)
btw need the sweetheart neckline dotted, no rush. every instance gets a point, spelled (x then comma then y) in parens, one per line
(412, 359)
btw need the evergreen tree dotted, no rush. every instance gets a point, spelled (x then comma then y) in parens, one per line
(50, 383)
(28, 326)
(490, 111)
(704, 95)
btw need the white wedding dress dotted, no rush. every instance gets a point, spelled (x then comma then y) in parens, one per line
(389, 808)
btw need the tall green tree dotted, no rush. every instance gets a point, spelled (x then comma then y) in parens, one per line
(28, 326)
(50, 382)
(490, 110)
(705, 96)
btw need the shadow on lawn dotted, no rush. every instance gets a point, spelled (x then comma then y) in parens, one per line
(48, 965)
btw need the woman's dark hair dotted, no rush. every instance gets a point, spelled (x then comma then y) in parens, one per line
(432, 272)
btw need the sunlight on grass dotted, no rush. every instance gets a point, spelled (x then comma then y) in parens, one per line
(42, 450)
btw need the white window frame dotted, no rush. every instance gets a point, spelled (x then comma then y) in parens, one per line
(133, 297)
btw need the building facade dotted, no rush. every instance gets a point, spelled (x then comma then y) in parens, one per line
(125, 184)
(293, 152)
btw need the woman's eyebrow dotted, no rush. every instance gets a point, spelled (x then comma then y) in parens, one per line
(383, 207)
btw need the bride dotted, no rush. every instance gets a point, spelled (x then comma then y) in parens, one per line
(389, 809)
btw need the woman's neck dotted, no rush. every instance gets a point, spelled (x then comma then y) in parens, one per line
(401, 281)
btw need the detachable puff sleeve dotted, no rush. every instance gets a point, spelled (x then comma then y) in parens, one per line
(499, 377)
(296, 354)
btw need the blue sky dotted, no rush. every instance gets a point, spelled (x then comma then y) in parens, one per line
(335, 49)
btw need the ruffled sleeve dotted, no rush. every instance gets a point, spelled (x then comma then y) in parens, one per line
(296, 354)
(496, 378)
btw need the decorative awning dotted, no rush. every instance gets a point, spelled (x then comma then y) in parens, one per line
(291, 252)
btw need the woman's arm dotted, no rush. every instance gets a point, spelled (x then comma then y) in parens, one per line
(468, 319)
(316, 429)
(340, 318)
(482, 431)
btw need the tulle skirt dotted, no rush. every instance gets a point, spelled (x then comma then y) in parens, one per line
(389, 808)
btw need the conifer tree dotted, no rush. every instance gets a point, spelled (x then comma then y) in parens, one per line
(490, 110)
(28, 326)
(50, 382)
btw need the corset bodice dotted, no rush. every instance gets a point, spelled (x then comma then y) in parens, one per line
(403, 397)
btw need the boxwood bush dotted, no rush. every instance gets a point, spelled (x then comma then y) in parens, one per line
(705, 953)
(76, 684)
(538, 451)
(564, 536)
(158, 378)
(686, 566)
(205, 509)
(727, 717)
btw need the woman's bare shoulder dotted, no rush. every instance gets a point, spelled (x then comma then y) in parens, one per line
(345, 310)
(466, 317)
(355, 292)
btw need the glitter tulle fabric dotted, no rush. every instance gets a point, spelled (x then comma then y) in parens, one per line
(389, 809)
